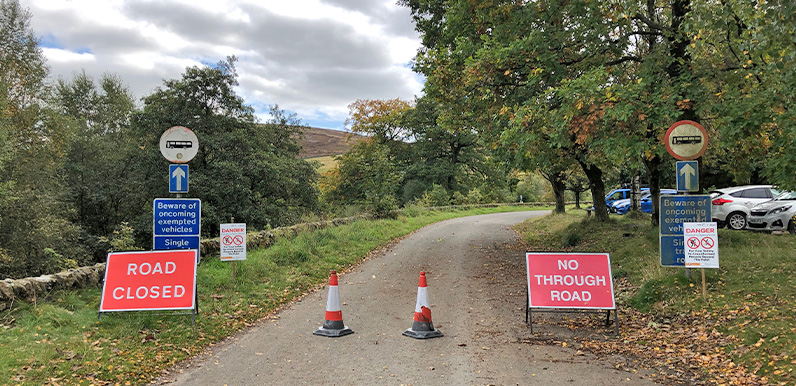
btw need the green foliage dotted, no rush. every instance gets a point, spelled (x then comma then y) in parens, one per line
(36, 233)
(412, 190)
(382, 205)
(95, 165)
(122, 239)
(438, 196)
(243, 169)
(366, 174)
(474, 197)
(533, 188)
(458, 198)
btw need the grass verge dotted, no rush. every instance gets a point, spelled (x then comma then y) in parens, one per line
(58, 339)
(743, 333)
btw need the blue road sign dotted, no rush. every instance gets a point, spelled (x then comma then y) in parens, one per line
(676, 210)
(672, 251)
(687, 174)
(178, 178)
(176, 242)
(177, 223)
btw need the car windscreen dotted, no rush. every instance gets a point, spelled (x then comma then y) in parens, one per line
(786, 196)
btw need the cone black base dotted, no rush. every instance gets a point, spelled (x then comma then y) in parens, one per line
(333, 333)
(427, 334)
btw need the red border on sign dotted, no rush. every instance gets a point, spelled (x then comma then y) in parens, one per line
(680, 123)
(150, 280)
(589, 276)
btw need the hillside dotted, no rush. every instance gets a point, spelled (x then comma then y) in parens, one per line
(325, 142)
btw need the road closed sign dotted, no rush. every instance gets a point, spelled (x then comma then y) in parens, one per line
(701, 241)
(150, 280)
(570, 280)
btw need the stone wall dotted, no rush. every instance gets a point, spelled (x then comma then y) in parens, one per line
(33, 288)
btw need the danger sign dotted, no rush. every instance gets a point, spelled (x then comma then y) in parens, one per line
(701, 244)
(570, 280)
(233, 242)
(150, 280)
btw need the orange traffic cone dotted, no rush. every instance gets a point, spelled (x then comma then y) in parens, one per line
(333, 325)
(422, 327)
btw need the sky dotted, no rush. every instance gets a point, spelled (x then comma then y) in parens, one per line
(311, 57)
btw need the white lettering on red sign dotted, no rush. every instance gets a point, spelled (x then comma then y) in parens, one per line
(562, 280)
(150, 280)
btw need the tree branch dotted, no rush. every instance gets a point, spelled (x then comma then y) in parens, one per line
(625, 59)
(649, 22)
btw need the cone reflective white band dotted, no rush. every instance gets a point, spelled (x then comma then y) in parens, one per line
(333, 310)
(422, 299)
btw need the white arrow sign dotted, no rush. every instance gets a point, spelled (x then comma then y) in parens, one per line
(179, 175)
(687, 172)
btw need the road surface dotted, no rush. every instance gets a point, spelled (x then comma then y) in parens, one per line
(476, 285)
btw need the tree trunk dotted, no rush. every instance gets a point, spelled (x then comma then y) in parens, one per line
(595, 176)
(654, 169)
(577, 199)
(559, 188)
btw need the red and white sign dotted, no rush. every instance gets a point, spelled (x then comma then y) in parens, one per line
(701, 244)
(233, 242)
(686, 140)
(570, 280)
(150, 280)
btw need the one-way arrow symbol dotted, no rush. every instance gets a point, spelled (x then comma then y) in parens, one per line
(178, 174)
(687, 172)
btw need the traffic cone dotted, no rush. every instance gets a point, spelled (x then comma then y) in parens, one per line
(333, 325)
(422, 327)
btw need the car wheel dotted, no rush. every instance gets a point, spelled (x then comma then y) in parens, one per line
(792, 227)
(736, 221)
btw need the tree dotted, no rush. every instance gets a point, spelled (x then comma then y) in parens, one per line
(35, 233)
(744, 54)
(243, 169)
(365, 175)
(381, 119)
(452, 158)
(95, 164)
(577, 184)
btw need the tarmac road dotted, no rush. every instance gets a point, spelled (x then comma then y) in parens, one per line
(476, 285)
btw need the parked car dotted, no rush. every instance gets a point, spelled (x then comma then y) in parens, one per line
(775, 215)
(731, 206)
(619, 194)
(623, 206)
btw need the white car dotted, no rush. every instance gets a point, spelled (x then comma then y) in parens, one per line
(776, 215)
(731, 206)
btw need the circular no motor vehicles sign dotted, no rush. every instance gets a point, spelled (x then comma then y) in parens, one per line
(686, 140)
(179, 144)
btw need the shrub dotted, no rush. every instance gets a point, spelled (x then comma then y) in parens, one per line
(459, 198)
(439, 196)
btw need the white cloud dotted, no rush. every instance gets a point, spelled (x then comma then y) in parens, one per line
(313, 57)
(67, 57)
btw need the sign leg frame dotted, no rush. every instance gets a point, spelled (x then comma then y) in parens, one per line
(529, 316)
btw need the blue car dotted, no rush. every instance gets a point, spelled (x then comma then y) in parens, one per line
(619, 195)
(623, 206)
